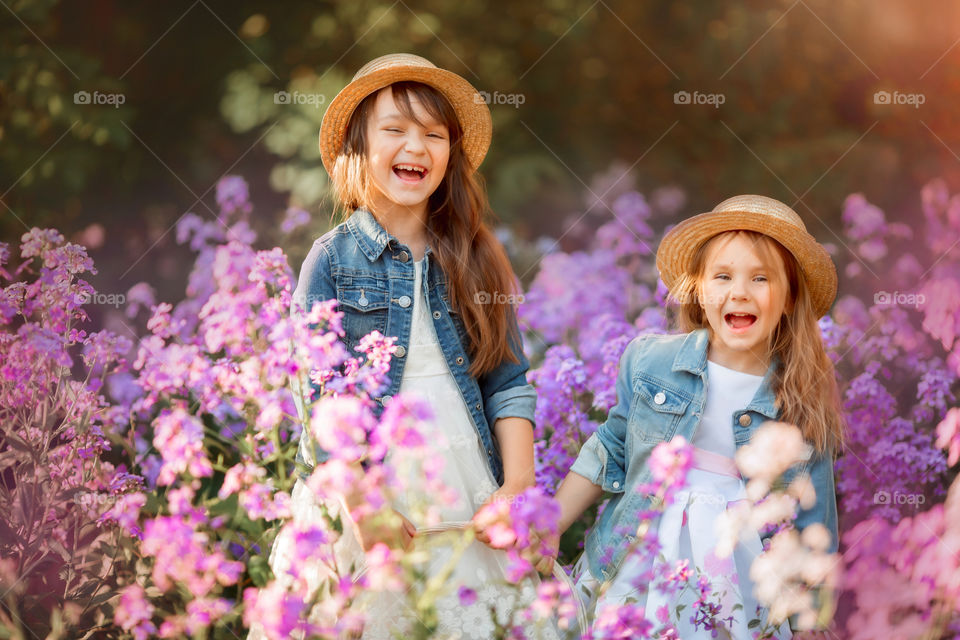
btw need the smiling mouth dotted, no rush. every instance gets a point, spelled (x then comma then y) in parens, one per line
(411, 173)
(739, 321)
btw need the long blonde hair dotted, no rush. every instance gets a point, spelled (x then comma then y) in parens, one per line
(480, 279)
(804, 384)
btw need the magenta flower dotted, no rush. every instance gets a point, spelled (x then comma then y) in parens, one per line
(276, 610)
(948, 436)
(179, 438)
(467, 596)
(134, 612)
(126, 512)
(669, 463)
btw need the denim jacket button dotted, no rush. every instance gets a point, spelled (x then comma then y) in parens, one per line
(401, 351)
(436, 315)
(459, 359)
(403, 256)
(479, 406)
(385, 400)
(745, 420)
(616, 484)
(404, 301)
(660, 398)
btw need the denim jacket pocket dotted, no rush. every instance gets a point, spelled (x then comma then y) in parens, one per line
(365, 303)
(657, 408)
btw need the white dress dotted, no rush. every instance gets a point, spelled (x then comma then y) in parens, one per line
(465, 471)
(687, 531)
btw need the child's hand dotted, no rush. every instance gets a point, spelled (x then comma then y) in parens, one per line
(501, 499)
(546, 555)
(389, 527)
(495, 512)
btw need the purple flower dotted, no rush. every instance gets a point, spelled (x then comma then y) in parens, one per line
(233, 195)
(293, 219)
(467, 596)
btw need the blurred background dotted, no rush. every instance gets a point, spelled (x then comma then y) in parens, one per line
(117, 119)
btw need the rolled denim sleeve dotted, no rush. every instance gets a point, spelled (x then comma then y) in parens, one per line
(602, 459)
(505, 390)
(315, 284)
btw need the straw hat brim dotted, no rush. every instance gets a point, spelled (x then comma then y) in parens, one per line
(677, 249)
(469, 105)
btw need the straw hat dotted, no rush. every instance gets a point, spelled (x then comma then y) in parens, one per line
(756, 213)
(471, 108)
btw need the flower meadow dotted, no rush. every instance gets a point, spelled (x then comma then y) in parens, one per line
(146, 472)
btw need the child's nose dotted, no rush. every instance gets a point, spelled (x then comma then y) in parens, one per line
(415, 143)
(738, 289)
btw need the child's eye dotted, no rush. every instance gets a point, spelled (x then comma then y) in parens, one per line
(722, 276)
(393, 130)
(439, 136)
(761, 278)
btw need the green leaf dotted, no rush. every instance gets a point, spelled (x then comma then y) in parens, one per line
(259, 569)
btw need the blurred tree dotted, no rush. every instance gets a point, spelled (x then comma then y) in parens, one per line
(53, 140)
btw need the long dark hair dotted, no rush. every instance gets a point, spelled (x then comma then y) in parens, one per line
(480, 280)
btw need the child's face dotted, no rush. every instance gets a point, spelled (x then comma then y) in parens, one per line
(406, 161)
(743, 299)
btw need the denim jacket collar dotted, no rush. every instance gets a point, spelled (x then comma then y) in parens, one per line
(692, 357)
(370, 234)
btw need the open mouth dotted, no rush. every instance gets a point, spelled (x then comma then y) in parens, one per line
(740, 321)
(411, 173)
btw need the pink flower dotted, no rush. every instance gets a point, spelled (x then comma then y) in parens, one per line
(774, 448)
(134, 612)
(126, 512)
(669, 463)
(948, 435)
(554, 598)
(276, 610)
(620, 622)
(340, 426)
(178, 436)
(238, 476)
(384, 572)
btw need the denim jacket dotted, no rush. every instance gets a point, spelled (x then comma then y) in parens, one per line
(661, 393)
(371, 275)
